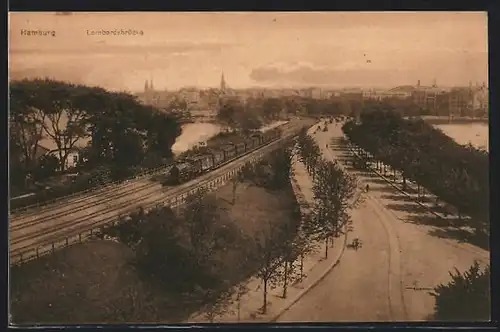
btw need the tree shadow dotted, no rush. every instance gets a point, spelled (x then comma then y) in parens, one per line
(431, 220)
(383, 189)
(378, 180)
(480, 239)
(409, 208)
(404, 198)
(226, 200)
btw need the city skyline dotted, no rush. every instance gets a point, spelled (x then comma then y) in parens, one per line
(270, 50)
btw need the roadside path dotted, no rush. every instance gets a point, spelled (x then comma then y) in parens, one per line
(315, 269)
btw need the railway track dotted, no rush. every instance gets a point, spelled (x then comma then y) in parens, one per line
(31, 232)
(78, 196)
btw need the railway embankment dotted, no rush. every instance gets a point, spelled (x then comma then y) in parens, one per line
(101, 281)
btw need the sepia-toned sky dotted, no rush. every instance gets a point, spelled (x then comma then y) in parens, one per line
(332, 49)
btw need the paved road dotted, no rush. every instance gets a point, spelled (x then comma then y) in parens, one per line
(389, 277)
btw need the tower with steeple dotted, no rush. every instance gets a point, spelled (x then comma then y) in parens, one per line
(223, 83)
(149, 91)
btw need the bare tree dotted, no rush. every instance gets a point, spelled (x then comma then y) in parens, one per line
(333, 192)
(267, 256)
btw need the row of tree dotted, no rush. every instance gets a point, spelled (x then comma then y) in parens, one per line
(251, 114)
(456, 174)
(120, 131)
(347, 105)
(333, 190)
(197, 252)
(211, 258)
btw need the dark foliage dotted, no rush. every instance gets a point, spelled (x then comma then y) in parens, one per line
(456, 174)
(466, 297)
(122, 133)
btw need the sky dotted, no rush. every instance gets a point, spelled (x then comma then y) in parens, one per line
(267, 49)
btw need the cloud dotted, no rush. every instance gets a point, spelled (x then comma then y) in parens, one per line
(309, 74)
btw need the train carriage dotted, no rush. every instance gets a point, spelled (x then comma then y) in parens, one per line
(203, 162)
(240, 147)
(249, 144)
(259, 137)
(218, 156)
(229, 151)
(268, 135)
(256, 140)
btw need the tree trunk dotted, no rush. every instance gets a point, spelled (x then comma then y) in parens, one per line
(239, 307)
(326, 248)
(234, 191)
(418, 191)
(264, 306)
(285, 283)
(404, 182)
(301, 266)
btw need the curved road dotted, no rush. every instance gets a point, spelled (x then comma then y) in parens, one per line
(399, 262)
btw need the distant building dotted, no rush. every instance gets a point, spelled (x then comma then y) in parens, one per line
(352, 94)
(480, 102)
(458, 101)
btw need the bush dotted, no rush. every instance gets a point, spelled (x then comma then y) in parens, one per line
(466, 297)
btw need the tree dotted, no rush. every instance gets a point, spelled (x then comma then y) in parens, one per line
(272, 108)
(466, 297)
(267, 256)
(26, 121)
(333, 191)
(226, 113)
(65, 114)
(47, 167)
(216, 301)
(239, 178)
(289, 250)
(200, 216)
(162, 248)
(304, 244)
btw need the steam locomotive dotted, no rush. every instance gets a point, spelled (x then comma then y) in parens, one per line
(189, 168)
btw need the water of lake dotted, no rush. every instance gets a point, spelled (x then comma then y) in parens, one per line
(474, 133)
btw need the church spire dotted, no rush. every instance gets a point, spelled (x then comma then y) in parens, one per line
(222, 83)
(146, 86)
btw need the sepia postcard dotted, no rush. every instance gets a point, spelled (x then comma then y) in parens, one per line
(248, 167)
